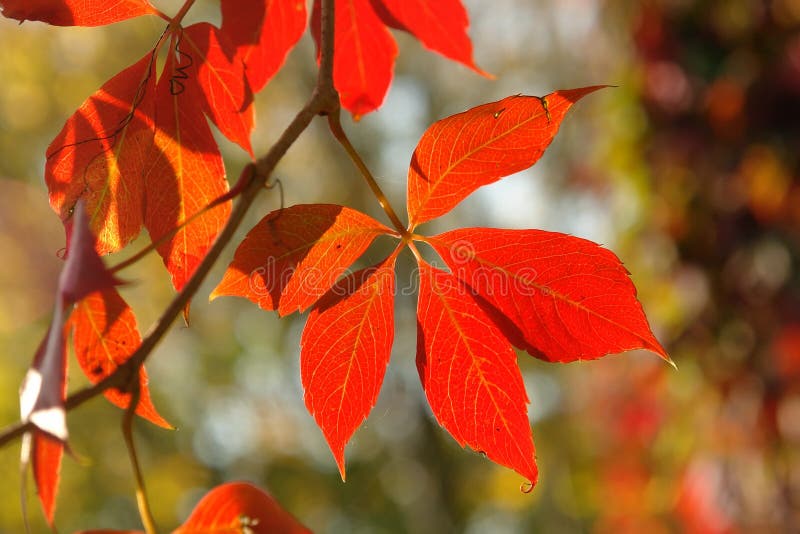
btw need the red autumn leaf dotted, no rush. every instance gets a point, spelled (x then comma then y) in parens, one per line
(105, 335)
(293, 256)
(364, 57)
(263, 32)
(344, 352)
(185, 173)
(239, 507)
(570, 299)
(221, 78)
(100, 153)
(441, 25)
(461, 153)
(470, 375)
(46, 455)
(109, 531)
(76, 12)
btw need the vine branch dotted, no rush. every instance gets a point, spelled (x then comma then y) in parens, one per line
(324, 100)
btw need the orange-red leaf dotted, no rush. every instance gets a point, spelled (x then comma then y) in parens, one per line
(99, 156)
(185, 174)
(470, 375)
(364, 56)
(441, 25)
(76, 12)
(105, 335)
(293, 256)
(221, 78)
(461, 153)
(46, 456)
(239, 508)
(569, 298)
(263, 32)
(344, 352)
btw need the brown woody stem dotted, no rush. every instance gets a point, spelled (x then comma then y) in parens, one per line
(324, 101)
(335, 125)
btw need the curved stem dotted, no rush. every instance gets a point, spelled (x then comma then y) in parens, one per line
(336, 128)
(178, 18)
(127, 433)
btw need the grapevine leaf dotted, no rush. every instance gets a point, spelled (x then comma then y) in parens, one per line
(470, 375)
(344, 352)
(441, 25)
(239, 507)
(263, 32)
(463, 152)
(76, 12)
(228, 100)
(569, 298)
(293, 256)
(364, 57)
(185, 173)
(105, 335)
(100, 153)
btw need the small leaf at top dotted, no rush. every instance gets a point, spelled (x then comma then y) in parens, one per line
(470, 375)
(568, 298)
(364, 55)
(239, 507)
(263, 32)
(228, 99)
(105, 335)
(184, 174)
(76, 12)
(441, 25)
(100, 155)
(344, 352)
(461, 153)
(293, 256)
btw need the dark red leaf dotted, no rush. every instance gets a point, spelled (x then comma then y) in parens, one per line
(470, 375)
(76, 12)
(344, 352)
(364, 57)
(461, 153)
(105, 335)
(441, 25)
(570, 299)
(263, 31)
(240, 508)
(293, 256)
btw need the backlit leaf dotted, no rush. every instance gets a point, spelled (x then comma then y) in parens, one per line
(344, 352)
(46, 456)
(100, 154)
(441, 25)
(569, 298)
(293, 256)
(240, 508)
(460, 153)
(105, 335)
(185, 173)
(263, 31)
(221, 78)
(76, 12)
(364, 56)
(470, 375)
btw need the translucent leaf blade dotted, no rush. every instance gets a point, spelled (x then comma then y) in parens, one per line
(470, 375)
(76, 12)
(46, 456)
(105, 335)
(293, 256)
(263, 32)
(461, 153)
(568, 298)
(344, 352)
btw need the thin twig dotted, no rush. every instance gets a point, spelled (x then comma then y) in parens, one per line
(127, 434)
(324, 100)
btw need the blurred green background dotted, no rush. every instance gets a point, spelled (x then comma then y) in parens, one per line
(688, 170)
